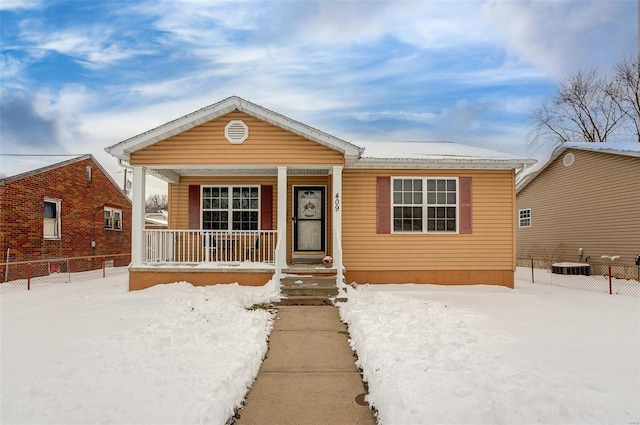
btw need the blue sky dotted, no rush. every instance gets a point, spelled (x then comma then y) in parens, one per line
(78, 76)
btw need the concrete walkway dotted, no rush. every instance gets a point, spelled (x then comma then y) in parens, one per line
(309, 375)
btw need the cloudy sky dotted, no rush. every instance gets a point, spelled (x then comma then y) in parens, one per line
(78, 76)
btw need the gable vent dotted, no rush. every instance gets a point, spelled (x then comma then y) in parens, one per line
(236, 131)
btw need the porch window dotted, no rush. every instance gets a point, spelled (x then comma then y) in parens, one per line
(420, 201)
(230, 208)
(51, 225)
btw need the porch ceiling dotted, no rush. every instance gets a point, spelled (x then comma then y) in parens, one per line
(172, 175)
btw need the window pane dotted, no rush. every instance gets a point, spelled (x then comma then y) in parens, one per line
(451, 212)
(397, 185)
(441, 198)
(451, 198)
(397, 212)
(417, 198)
(441, 185)
(431, 198)
(451, 185)
(397, 197)
(49, 209)
(440, 225)
(417, 185)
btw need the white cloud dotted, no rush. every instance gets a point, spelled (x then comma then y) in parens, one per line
(561, 37)
(19, 4)
(10, 67)
(92, 46)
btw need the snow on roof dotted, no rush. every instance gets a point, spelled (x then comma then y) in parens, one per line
(625, 148)
(443, 154)
(428, 149)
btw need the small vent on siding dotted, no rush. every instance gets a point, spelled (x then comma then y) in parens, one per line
(568, 159)
(236, 131)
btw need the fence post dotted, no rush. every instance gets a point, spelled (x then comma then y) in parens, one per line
(103, 266)
(610, 291)
(28, 276)
(532, 274)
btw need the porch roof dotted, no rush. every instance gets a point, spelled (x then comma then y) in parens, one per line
(124, 149)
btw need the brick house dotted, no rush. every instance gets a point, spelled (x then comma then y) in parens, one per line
(66, 210)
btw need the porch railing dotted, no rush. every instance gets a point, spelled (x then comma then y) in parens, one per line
(201, 246)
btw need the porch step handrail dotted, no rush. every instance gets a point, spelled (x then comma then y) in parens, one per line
(201, 246)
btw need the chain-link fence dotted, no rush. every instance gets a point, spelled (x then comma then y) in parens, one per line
(26, 273)
(610, 278)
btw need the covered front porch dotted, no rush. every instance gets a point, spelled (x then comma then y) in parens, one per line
(286, 232)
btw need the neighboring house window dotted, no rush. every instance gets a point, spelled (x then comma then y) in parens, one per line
(525, 218)
(51, 219)
(417, 201)
(112, 218)
(230, 208)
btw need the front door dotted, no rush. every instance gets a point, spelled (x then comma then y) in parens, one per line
(309, 220)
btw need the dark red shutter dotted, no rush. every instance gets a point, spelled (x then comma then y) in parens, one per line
(194, 206)
(266, 207)
(466, 206)
(383, 200)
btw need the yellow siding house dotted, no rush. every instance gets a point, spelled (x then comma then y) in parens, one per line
(252, 193)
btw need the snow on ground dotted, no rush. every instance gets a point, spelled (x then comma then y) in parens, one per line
(492, 355)
(89, 351)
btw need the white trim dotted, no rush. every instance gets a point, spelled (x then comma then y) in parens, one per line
(112, 212)
(336, 221)
(520, 218)
(444, 164)
(124, 149)
(137, 216)
(58, 223)
(425, 206)
(282, 217)
(230, 209)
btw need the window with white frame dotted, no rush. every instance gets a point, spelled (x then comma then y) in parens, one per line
(51, 226)
(524, 218)
(112, 218)
(230, 208)
(425, 205)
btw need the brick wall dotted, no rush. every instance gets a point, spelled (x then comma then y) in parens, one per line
(81, 215)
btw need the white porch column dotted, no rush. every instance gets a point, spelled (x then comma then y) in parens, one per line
(336, 206)
(137, 215)
(283, 215)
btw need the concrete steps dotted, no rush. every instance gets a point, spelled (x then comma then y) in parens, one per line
(308, 284)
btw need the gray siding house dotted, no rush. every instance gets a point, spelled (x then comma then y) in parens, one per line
(581, 204)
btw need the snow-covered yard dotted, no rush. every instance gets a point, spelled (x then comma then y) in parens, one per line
(491, 355)
(91, 352)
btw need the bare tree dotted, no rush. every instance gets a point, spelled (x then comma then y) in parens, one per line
(624, 91)
(156, 203)
(579, 112)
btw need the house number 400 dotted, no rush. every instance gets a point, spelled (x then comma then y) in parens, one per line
(337, 202)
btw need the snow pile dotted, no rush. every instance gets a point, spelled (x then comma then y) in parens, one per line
(465, 359)
(91, 352)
